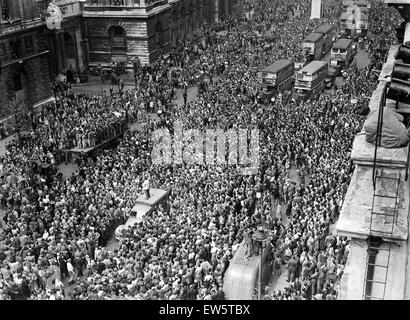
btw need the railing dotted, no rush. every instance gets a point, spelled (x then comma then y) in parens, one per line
(70, 8)
(116, 3)
(19, 24)
(124, 3)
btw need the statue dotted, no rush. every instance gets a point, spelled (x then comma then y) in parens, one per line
(54, 17)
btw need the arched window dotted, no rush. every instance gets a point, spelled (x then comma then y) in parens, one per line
(117, 39)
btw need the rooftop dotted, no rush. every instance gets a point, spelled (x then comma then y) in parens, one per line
(313, 37)
(342, 44)
(325, 28)
(277, 65)
(312, 67)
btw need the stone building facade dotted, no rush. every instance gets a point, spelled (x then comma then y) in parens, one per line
(92, 32)
(120, 30)
(124, 29)
(67, 44)
(24, 55)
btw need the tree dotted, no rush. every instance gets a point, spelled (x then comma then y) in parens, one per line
(18, 108)
(383, 23)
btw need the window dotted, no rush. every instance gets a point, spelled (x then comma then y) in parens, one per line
(158, 30)
(117, 2)
(5, 13)
(28, 42)
(17, 83)
(118, 43)
(16, 50)
(2, 50)
(342, 50)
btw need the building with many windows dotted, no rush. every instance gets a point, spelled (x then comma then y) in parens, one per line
(24, 54)
(92, 32)
(354, 20)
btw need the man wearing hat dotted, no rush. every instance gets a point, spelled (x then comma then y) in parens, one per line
(292, 263)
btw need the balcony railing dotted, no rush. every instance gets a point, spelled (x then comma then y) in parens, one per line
(19, 24)
(116, 3)
(123, 3)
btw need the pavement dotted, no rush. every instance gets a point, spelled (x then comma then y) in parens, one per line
(94, 85)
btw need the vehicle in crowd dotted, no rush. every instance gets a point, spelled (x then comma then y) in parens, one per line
(242, 276)
(342, 54)
(330, 77)
(310, 81)
(329, 32)
(313, 46)
(276, 78)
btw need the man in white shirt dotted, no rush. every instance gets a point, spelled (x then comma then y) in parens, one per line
(145, 187)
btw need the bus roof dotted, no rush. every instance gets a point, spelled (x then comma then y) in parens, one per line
(312, 67)
(313, 37)
(356, 2)
(325, 28)
(277, 66)
(342, 44)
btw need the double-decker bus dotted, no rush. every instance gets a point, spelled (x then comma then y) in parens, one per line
(278, 76)
(310, 81)
(313, 46)
(342, 54)
(329, 32)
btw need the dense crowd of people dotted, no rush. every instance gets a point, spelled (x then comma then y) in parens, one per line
(55, 229)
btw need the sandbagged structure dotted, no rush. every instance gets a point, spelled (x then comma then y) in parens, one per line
(394, 132)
